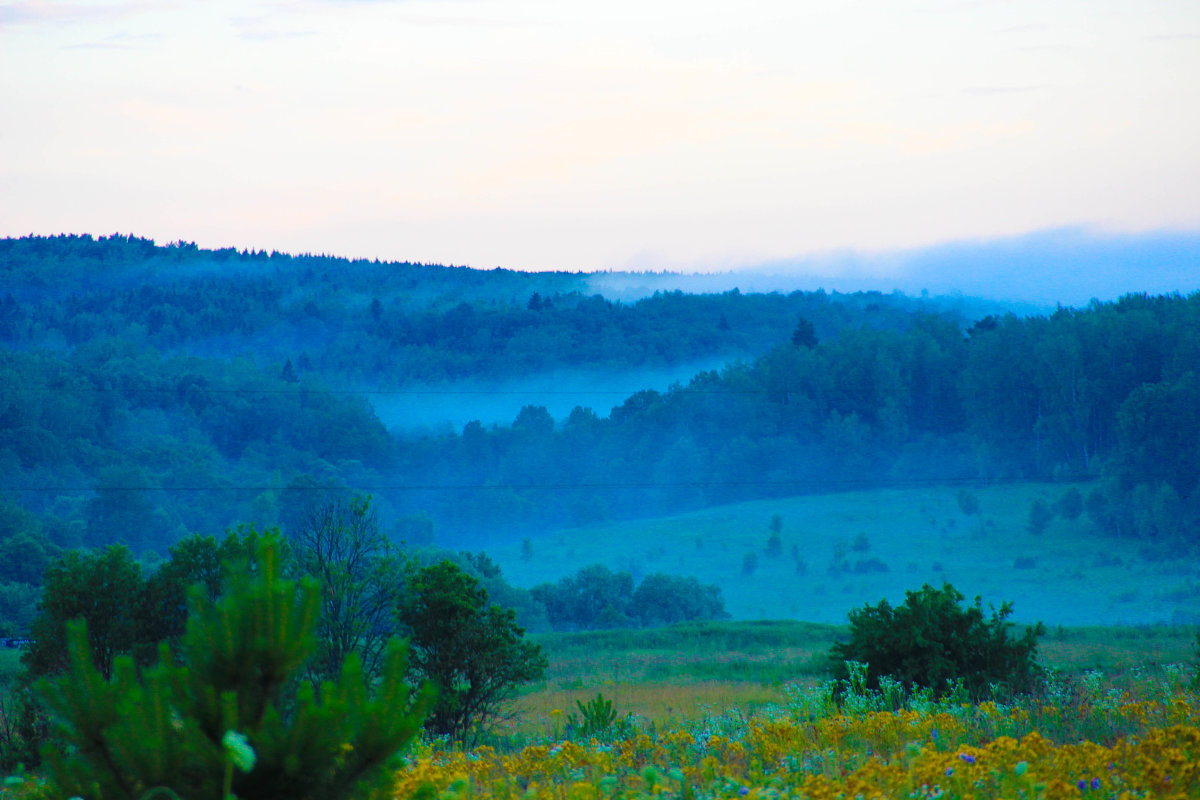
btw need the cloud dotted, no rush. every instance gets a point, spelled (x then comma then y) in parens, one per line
(1061, 265)
(39, 12)
(266, 29)
(465, 22)
(1172, 37)
(981, 91)
(120, 41)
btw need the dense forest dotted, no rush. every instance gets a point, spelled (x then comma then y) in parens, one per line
(148, 392)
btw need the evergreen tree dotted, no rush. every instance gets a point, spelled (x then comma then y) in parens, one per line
(231, 698)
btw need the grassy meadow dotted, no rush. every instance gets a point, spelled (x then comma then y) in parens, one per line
(836, 548)
(687, 672)
(743, 710)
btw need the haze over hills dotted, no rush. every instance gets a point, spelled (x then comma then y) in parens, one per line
(1029, 274)
(152, 391)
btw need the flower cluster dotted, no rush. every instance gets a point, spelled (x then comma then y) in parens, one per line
(1150, 748)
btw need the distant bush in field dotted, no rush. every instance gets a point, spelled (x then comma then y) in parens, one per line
(774, 547)
(597, 598)
(866, 566)
(1040, 515)
(932, 641)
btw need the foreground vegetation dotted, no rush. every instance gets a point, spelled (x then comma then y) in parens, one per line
(1132, 730)
(1085, 738)
(732, 709)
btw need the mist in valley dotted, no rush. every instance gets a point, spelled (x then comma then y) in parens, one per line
(438, 409)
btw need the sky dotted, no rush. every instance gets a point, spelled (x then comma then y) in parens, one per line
(833, 137)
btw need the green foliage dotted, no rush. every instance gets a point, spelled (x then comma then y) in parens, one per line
(124, 612)
(231, 696)
(595, 597)
(25, 551)
(596, 717)
(473, 652)
(22, 725)
(103, 588)
(194, 561)
(598, 598)
(1196, 661)
(662, 599)
(932, 642)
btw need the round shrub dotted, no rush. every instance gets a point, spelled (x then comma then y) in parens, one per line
(932, 641)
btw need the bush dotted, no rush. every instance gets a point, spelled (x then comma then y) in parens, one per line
(866, 566)
(933, 642)
(1040, 515)
(232, 698)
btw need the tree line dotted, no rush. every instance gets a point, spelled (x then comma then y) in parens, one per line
(1105, 393)
(464, 623)
(366, 593)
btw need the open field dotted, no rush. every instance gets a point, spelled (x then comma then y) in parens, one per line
(669, 676)
(1132, 730)
(835, 547)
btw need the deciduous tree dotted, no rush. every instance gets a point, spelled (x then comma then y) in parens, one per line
(473, 652)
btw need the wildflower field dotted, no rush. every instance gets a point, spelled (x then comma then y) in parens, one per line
(1130, 733)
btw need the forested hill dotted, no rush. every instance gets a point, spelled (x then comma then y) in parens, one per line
(371, 324)
(152, 391)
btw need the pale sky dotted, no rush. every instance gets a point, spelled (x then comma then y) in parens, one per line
(538, 134)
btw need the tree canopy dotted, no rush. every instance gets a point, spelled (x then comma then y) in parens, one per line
(473, 652)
